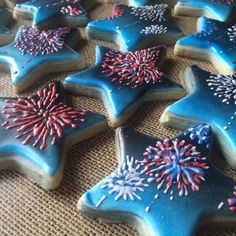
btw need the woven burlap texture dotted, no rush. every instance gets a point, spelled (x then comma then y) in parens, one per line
(26, 209)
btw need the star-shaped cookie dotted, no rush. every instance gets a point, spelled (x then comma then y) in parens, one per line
(134, 28)
(6, 36)
(163, 187)
(222, 10)
(35, 53)
(211, 98)
(125, 80)
(37, 130)
(215, 42)
(53, 13)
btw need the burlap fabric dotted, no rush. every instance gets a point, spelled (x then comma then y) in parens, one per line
(26, 209)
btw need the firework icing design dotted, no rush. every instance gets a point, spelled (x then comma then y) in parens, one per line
(201, 132)
(50, 12)
(224, 87)
(231, 32)
(156, 210)
(67, 6)
(133, 68)
(210, 28)
(154, 29)
(151, 13)
(72, 11)
(125, 79)
(131, 26)
(232, 202)
(126, 182)
(40, 42)
(117, 11)
(67, 9)
(217, 42)
(177, 163)
(41, 116)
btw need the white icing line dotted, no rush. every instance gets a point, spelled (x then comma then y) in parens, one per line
(221, 205)
(104, 197)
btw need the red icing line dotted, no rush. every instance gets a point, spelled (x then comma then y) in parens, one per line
(40, 42)
(73, 11)
(117, 11)
(133, 68)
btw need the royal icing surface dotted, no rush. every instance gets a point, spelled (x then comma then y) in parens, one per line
(232, 201)
(133, 25)
(35, 128)
(215, 37)
(40, 116)
(213, 96)
(34, 48)
(161, 182)
(125, 77)
(46, 10)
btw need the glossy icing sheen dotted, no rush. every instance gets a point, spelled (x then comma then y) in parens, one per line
(45, 10)
(215, 37)
(125, 78)
(36, 128)
(221, 10)
(130, 27)
(22, 64)
(213, 96)
(163, 183)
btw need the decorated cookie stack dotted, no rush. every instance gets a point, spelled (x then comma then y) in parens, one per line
(161, 186)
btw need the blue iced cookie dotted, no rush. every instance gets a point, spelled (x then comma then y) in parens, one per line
(222, 10)
(211, 98)
(125, 80)
(35, 53)
(53, 13)
(37, 130)
(134, 28)
(163, 187)
(215, 41)
(6, 36)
